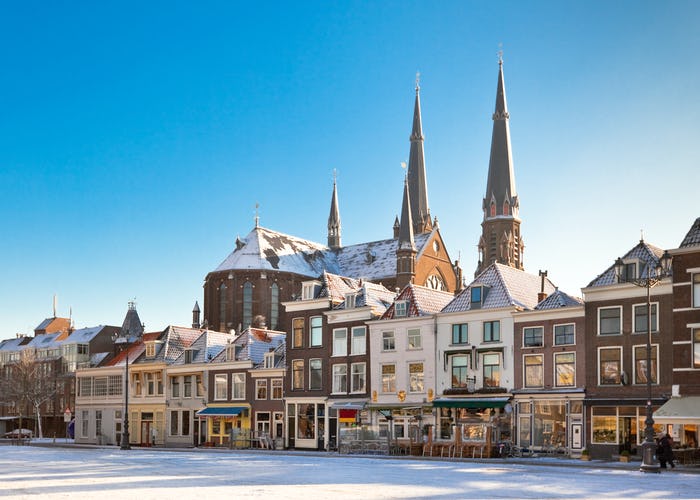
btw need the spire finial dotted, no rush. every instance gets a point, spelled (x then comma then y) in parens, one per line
(417, 81)
(335, 175)
(500, 53)
(641, 237)
(257, 215)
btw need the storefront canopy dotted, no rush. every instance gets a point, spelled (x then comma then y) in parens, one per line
(223, 411)
(472, 403)
(679, 410)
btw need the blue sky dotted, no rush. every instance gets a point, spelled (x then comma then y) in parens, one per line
(137, 137)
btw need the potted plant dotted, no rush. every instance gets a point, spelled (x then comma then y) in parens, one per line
(585, 454)
(624, 456)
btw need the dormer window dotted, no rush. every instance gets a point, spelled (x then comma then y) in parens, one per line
(400, 308)
(477, 295)
(269, 360)
(629, 271)
(309, 290)
(189, 355)
(350, 300)
(150, 349)
(230, 352)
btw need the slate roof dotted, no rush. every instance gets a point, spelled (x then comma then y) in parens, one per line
(507, 287)
(377, 297)
(693, 237)
(205, 347)
(422, 301)
(645, 252)
(559, 299)
(174, 341)
(265, 249)
(15, 344)
(85, 335)
(134, 350)
(254, 343)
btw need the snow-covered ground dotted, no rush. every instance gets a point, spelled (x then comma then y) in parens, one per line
(52, 472)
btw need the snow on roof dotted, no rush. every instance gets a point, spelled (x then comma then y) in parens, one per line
(645, 252)
(422, 301)
(84, 335)
(205, 347)
(45, 341)
(505, 286)
(15, 344)
(265, 249)
(559, 299)
(693, 237)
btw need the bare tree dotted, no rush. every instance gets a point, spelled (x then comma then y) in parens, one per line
(28, 383)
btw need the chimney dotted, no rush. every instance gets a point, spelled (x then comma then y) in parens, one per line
(541, 296)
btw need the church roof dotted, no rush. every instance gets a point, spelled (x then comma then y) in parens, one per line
(265, 249)
(693, 237)
(645, 252)
(505, 287)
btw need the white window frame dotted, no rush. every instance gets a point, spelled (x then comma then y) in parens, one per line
(316, 330)
(220, 386)
(654, 317)
(416, 378)
(533, 328)
(381, 374)
(554, 333)
(600, 309)
(361, 375)
(414, 339)
(401, 308)
(340, 342)
(277, 385)
(695, 290)
(525, 365)
(238, 381)
(358, 343)
(261, 384)
(388, 335)
(340, 374)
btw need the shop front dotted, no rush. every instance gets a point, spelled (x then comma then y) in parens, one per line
(308, 423)
(680, 416)
(226, 425)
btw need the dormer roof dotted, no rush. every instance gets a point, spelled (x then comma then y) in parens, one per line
(644, 252)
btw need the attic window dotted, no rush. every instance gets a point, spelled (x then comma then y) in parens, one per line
(231, 352)
(150, 349)
(400, 308)
(478, 294)
(269, 360)
(350, 300)
(630, 270)
(189, 355)
(309, 289)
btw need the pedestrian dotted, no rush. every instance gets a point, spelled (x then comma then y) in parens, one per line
(664, 451)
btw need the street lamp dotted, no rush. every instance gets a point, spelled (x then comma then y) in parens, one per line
(653, 278)
(123, 338)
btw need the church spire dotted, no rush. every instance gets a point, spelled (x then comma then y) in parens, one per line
(334, 218)
(417, 183)
(500, 240)
(406, 249)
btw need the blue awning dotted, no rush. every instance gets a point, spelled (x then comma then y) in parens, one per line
(221, 411)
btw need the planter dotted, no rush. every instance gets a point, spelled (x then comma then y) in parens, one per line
(624, 458)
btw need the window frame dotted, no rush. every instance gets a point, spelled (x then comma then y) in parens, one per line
(388, 335)
(316, 331)
(461, 370)
(695, 362)
(619, 321)
(654, 318)
(539, 366)
(417, 378)
(315, 374)
(298, 329)
(599, 368)
(361, 376)
(276, 388)
(401, 309)
(642, 380)
(238, 386)
(388, 380)
(695, 290)
(261, 389)
(355, 341)
(340, 345)
(298, 374)
(491, 336)
(533, 330)
(460, 333)
(558, 364)
(573, 334)
(411, 335)
(484, 365)
(340, 378)
(220, 386)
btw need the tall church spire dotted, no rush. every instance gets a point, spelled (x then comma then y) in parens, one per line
(500, 240)
(418, 186)
(406, 249)
(334, 218)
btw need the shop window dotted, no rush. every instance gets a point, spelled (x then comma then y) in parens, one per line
(534, 371)
(610, 366)
(640, 364)
(565, 369)
(564, 334)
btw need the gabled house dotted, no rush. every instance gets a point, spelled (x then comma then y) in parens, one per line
(403, 364)
(475, 352)
(616, 351)
(549, 380)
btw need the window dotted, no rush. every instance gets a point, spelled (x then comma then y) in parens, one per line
(534, 371)
(189, 356)
(493, 209)
(85, 386)
(238, 386)
(220, 386)
(247, 304)
(459, 371)
(610, 366)
(350, 300)
(115, 385)
(388, 341)
(175, 387)
(100, 386)
(174, 423)
(269, 359)
(84, 424)
(187, 386)
(186, 422)
(298, 374)
(222, 307)
(359, 340)
(315, 335)
(640, 364)
(564, 369)
(492, 370)
(276, 388)
(532, 337)
(492, 331)
(150, 349)
(696, 290)
(315, 375)
(640, 318)
(340, 379)
(298, 332)
(564, 334)
(274, 305)
(388, 378)
(98, 423)
(609, 320)
(414, 340)
(199, 386)
(261, 389)
(400, 308)
(475, 296)
(460, 334)
(150, 384)
(506, 208)
(696, 347)
(629, 271)
(340, 342)
(308, 290)
(358, 377)
(415, 377)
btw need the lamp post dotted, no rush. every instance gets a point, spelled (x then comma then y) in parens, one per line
(653, 278)
(123, 338)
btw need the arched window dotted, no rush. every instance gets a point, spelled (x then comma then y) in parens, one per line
(493, 209)
(506, 208)
(222, 307)
(247, 304)
(274, 305)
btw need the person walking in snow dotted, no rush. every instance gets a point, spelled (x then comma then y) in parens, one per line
(664, 451)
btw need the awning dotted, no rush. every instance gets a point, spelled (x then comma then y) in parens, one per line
(348, 405)
(222, 411)
(679, 410)
(473, 403)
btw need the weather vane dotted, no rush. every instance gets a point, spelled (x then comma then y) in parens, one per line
(417, 80)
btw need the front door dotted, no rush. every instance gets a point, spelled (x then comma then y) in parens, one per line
(145, 433)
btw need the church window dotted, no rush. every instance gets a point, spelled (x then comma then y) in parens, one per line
(435, 282)
(506, 208)
(222, 307)
(247, 304)
(274, 305)
(493, 209)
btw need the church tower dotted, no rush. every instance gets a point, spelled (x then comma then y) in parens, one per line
(417, 184)
(334, 219)
(406, 251)
(500, 240)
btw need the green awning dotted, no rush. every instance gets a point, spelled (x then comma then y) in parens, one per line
(471, 403)
(222, 411)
